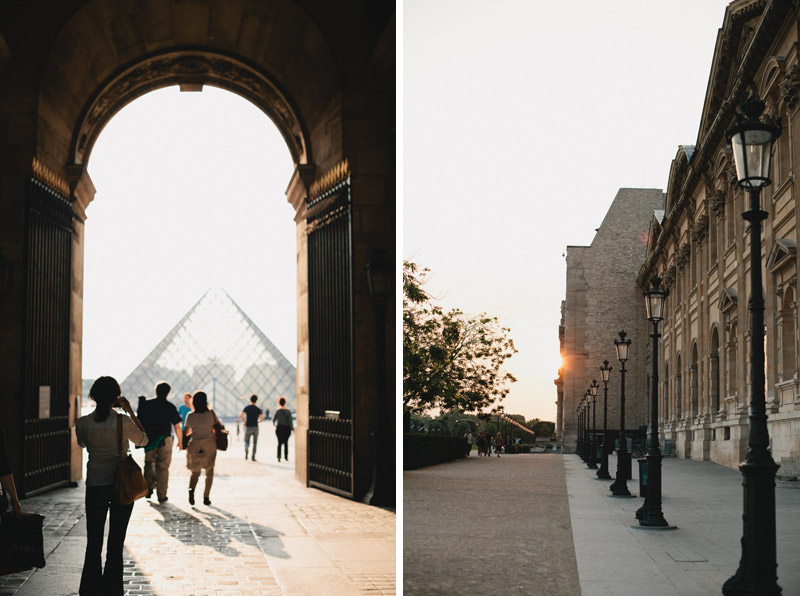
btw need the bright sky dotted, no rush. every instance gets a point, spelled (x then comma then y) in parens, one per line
(190, 196)
(521, 121)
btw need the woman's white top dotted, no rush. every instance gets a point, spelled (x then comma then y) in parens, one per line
(100, 440)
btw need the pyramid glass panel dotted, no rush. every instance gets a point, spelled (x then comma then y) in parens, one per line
(218, 349)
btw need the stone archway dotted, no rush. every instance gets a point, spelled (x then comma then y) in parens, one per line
(329, 90)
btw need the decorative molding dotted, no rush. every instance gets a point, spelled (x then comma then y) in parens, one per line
(717, 203)
(782, 254)
(49, 178)
(338, 173)
(733, 179)
(191, 68)
(790, 87)
(700, 229)
(728, 300)
(669, 278)
(682, 256)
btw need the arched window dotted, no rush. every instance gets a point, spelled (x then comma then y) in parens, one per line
(787, 331)
(713, 366)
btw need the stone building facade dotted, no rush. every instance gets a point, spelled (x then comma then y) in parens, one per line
(701, 249)
(602, 299)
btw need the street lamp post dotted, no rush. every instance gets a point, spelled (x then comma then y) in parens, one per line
(580, 426)
(605, 370)
(592, 455)
(619, 487)
(587, 399)
(650, 514)
(752, 142)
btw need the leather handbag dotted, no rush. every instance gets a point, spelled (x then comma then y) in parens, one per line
(220, 434)
(129, 483)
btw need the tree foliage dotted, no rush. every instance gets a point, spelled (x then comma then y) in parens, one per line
(451, 360)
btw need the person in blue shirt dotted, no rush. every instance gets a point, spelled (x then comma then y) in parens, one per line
(184, 410)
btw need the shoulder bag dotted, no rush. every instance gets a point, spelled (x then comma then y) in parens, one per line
(220, 434)
(129, 483)
(21, 542)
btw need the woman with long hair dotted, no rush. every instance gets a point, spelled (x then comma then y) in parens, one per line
(97, 432)
(202, 451)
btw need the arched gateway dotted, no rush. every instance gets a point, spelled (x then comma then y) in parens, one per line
(325, 74)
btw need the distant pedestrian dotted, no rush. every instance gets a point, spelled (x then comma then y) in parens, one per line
(283, 427)
(97, 432)
(498, 442)
(158, 417)
(483, 445)
(202, 452)
(184, 410)
(468, 437)
(251, 416)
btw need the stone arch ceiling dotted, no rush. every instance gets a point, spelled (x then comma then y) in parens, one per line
(112, 51)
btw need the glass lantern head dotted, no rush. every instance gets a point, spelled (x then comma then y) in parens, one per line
(622, 346)
(752, 141)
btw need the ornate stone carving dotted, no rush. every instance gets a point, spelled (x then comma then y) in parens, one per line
(700, 229)
(669, 278)
(682, 257)
(733, 179)
(190, 68)
(718, 203)
(790, 87)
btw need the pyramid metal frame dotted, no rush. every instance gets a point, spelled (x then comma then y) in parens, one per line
(269, 374)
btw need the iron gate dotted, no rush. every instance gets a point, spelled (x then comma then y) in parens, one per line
(48, 273)
(330, 339)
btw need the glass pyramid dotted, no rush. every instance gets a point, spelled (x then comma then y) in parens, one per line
(218, 349)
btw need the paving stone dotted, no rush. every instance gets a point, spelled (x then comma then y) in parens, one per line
(259, 515)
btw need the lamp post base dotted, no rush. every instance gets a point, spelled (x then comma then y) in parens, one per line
(602, 472)
(650, 514)
(619, 487)
(757, 573)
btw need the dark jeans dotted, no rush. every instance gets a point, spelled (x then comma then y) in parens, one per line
(283, 432)
(96, 581)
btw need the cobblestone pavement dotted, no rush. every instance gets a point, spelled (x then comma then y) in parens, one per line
(489, 526)
(264, 534)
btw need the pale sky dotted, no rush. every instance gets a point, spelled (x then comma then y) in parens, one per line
(521, 120)
(190, 196)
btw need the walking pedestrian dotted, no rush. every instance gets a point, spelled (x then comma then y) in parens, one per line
(158, 417)
(184, 410)
(202, 451)
(251, 416)
(498, 443)
(468, 437)
(283, 427)
(97, 432)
